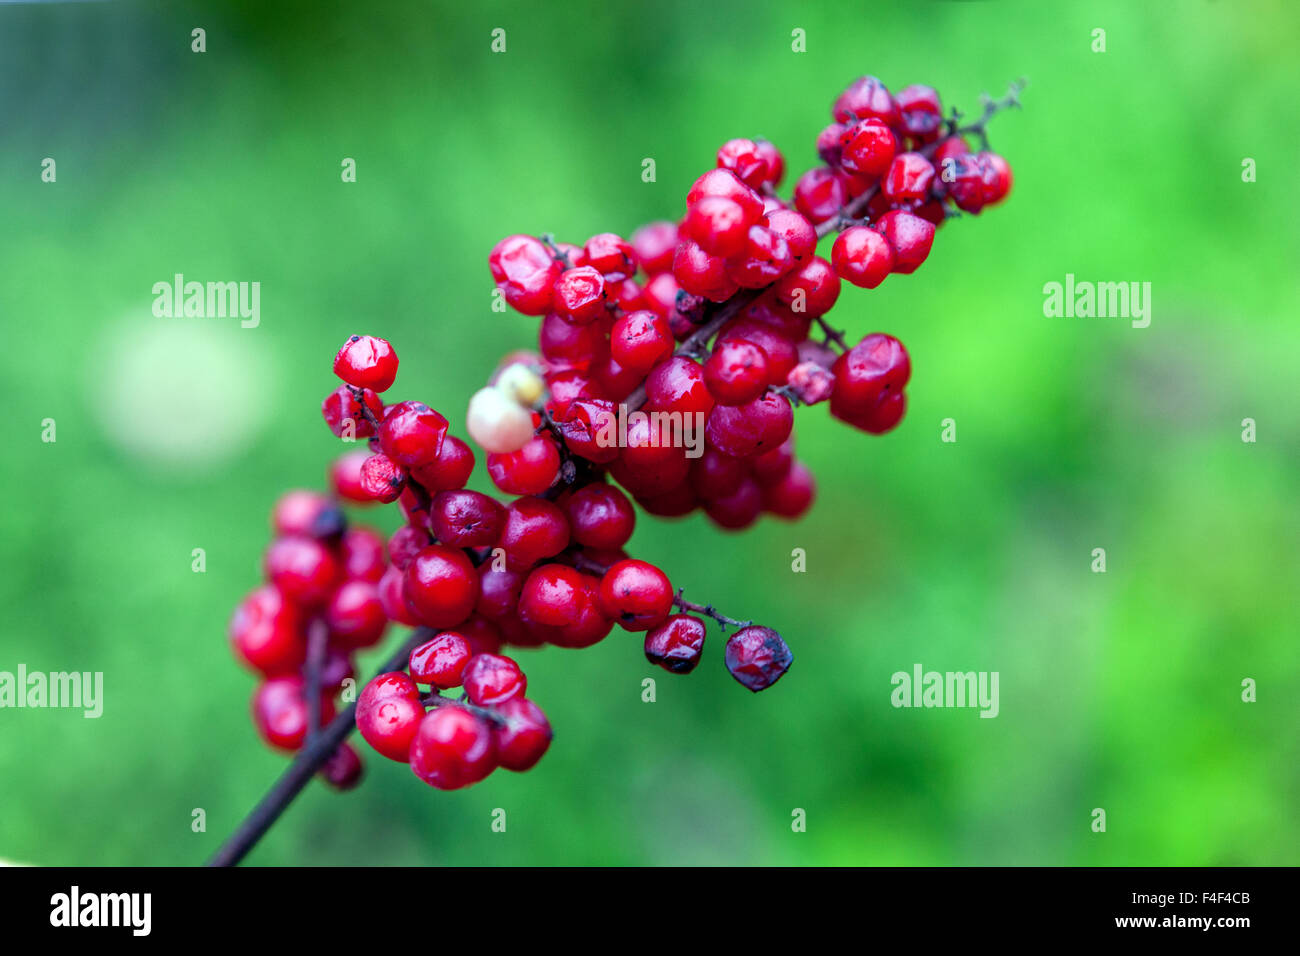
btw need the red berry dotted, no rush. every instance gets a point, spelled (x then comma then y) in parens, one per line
(763, 259)
(792, 494)
(736, 372)
(345, 477)
(525, 272)
(830, 143)
(715, 475)
(797, 232)
(757, 657)
(406, 542)
(600, 516)
(579, 295)
(811, 382)
(819, 194)
(676, 644)
(677, 385)
(382, 479)
(534, 529)
(921, 112)
(266, 632)
(909, 236)
(355, 615)
(868, 374)
(343, 769)
(412, 433)
(781, 353)
(774, 160)
(725, 183)
(640, 340)
(739, 509)
(811, 289)
(862, 256)
(451, 469)
(700, 273)
(654, 244)
(441, 660)
(441, 586)
(588, 427)
(868, 147)
(530, 470)
(343, 414)
(909, 179)
(366, 362)
(498, 591)
(718, 224)
(465, 519)
(744, 158)
(392, 592)
(611, 255)
(999, 183)
(362, 553)
(553, 596)
(389, 714)
(491, 679)
(866, 97)
(636, 594)
(452, 748)
(280, 712)
(565, 345)
(525, 735)
(752, 428)
(302, 568)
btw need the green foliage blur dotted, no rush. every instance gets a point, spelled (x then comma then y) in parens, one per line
(1119, 691)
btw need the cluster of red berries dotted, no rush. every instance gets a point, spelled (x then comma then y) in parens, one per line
(709, 320)
(321, 597)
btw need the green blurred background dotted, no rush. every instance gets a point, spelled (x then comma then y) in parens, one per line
(1119, 690)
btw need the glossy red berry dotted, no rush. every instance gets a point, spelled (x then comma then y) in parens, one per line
(862, 256)
(552, 596)
(525, 272)
(280, 712)
(676, 644)
(303, 569)
(579, 295)
(654, 244)
(465, 519)
(718, 224)
(412, 433)
(345, 477)
(798, 233)
(700, 273)
(739, 509)
(819, 194)
(381, 478)
(534, 529)
(792, 494)
(921, 112)
(343, 769)
(491, 679)
(452, 748)
(868, 147)
(757, 657)
(366, 362)
(636, 594)
(764, 258)
(909, 179)
(266, 632)
(750, 429)
(441, 586)
(909, 236)
(744, 158)
(611, 255)
(866, 97)
(869, 382)
(640, 340)
(812, 289)
(530, 470)
(600, 516)
(725, 183)
(389, 714)
(677, 385)
(362, 555)
(524, 735)
(441, 660)
(451, 469)
(736, 372)
(355, 615)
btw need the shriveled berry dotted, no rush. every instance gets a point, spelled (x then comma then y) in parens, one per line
(868, 147)
(382, 479)
(465, 519)
(921, 112)
(611, 255)
(909, 236)
(579, 295)
(764, 258)
(757, 657)
(676, 644)
(752, 428)
(525, 272)
(344, 416)
(909, 179)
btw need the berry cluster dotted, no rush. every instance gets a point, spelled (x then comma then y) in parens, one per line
(708, 320)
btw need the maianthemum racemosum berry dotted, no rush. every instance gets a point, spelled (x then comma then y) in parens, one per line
(716, 319)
